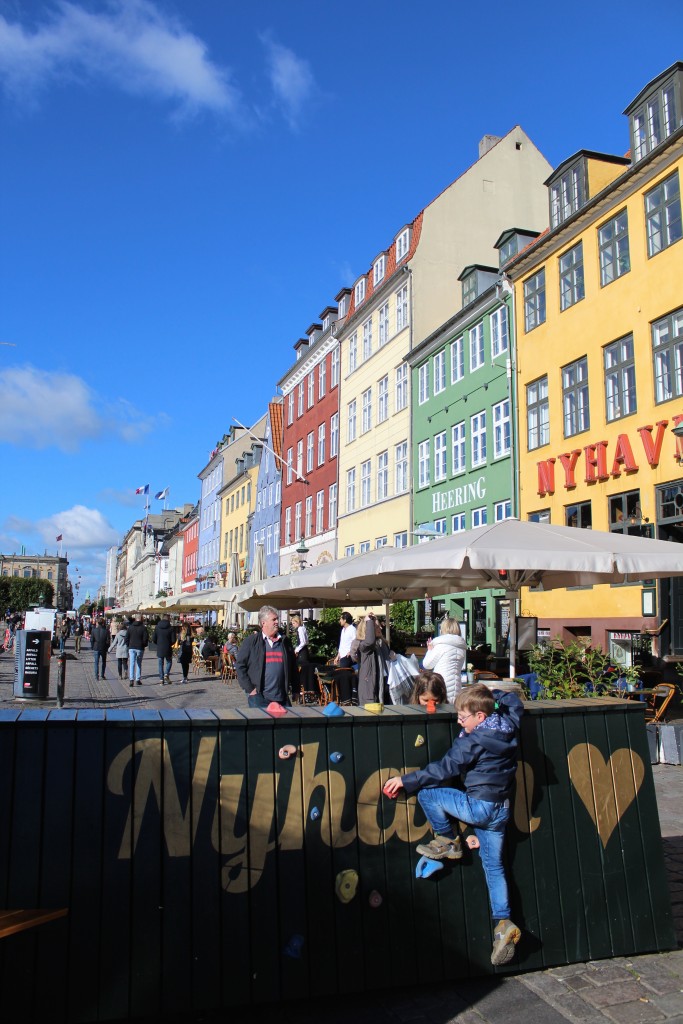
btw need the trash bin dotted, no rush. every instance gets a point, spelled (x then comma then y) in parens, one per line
(32, 664)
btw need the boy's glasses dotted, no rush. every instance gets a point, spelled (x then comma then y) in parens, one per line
(463, 718)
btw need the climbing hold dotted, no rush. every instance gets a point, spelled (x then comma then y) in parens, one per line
(332, 709)
(276, 709)
(426, 867)
(431, 707)
(419, 740)
(315, 814)
(346, 884)
(289, 750)
(375, 899)
(294, 947)
(374, 709)
(336, 757)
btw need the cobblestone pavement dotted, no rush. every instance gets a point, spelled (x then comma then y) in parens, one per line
(634, 990)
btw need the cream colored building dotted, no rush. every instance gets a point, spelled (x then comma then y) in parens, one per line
(411, 289)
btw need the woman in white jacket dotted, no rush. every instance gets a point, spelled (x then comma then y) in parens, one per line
(446, 655)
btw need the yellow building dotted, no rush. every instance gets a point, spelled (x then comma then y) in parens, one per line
(599, 327)
(238, 501)
(409, 291)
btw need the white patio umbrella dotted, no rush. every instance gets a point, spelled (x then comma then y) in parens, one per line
(514, 554)
(234, 582)
(506, 555)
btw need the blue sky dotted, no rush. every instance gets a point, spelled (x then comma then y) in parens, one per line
(184, 186)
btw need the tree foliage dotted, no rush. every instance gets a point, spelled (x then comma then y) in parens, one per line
(20, 594)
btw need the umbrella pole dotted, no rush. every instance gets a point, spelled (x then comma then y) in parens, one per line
(513, 633)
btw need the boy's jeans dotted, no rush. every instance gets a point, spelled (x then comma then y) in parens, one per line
(489, 820)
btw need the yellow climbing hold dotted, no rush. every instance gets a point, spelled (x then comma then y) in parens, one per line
(346, 885)
(419, 740)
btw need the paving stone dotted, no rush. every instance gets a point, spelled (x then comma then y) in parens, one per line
(661, 983)
(579, 982)
(669, 1003)
(634, 1013)
(566, 970)
(545, 984)
(577, 1009)
(611, 995)
(606, 973)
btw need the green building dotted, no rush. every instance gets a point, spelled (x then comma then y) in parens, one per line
(463, 433)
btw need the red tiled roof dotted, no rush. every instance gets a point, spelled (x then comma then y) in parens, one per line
(391, 266)
(276, 426)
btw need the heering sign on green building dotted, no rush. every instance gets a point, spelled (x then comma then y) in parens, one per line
(463, 438)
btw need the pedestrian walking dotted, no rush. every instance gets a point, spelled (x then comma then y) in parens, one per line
(78, 634)
(138, 639)
(185, 652)
(100, 640)
(119, 648)
(163, 638)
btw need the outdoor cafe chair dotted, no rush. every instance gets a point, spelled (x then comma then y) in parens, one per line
(228, 670)
(658, 701)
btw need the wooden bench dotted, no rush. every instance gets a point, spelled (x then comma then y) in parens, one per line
(13, 921)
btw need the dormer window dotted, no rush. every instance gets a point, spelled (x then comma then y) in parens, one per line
(326, 322)
(342, 307)
(360, 291)
(402, 245)
(656, 112)
(512, 241)
(469, 288)
(378, 270)
(568, 192)
(509, 249)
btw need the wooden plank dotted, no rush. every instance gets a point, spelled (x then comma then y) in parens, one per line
(263, 937)
(85, 924)
(292, 904)
(230, 828)
(56, 878)
(205, 861)
(146, 889)
(117, 854)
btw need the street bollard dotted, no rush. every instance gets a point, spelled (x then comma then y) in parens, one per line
(61, 678)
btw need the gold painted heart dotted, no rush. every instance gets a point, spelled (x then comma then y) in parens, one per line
(607, 788)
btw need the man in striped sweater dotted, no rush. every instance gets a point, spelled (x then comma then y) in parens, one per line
(266, 663)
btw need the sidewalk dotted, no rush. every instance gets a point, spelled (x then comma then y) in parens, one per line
(634, 990)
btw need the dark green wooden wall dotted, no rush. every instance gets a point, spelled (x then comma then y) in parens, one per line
(199, 868)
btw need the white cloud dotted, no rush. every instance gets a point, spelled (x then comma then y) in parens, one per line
(291, 79)
(83, 529)
(133, 45)
(44, 409)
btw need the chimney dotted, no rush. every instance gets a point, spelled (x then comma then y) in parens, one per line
(487, 143)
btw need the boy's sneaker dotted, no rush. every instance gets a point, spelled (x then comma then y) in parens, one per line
(441, 848)
(506, 935)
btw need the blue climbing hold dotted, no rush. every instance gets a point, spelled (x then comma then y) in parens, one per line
(294, 947)
(315, 814)
(426, 867)
(336, 757)
(332, 709)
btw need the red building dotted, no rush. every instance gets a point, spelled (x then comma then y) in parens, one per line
(311, 444)
(190, 535)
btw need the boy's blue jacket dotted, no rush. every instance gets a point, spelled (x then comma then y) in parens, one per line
(485, 759)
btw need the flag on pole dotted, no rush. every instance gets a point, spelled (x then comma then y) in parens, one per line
(58, 538)
(142, 490)
(160, 495)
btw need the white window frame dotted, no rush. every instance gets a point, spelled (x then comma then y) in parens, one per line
(382, 476)
(322, 379)
(458, 448)
(365, 483)
(500, 340)
(320, 512)
(290, 408)
(477, 351)
(366, 414)
(401, 389)
(378, 270)
(457, 359)
(367, 339)
(321, 443)
(334, 435)
(308, 523)
(479, 517)
(423, 459)
(402, 245)
(290, 465)
(423, 383)
(300, 459)
(383, 325)
(440, 372)
(459, 522)
(501, 429)
(353, 352)
(351, 489)
(300, 399)
(288, 525)
(334, 367)
(502, 510)
(402, 308)
(310, 448)
(359, 291)
(297, 521)
(401, 482)
(383, 399)
(351, 421)
(478, 439)
(332, 507)
(401, 539)
(440, 457)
